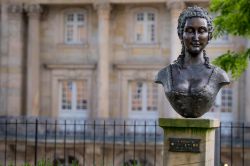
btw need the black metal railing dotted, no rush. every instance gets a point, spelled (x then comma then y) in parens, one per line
(234, 143)
(98, 142)
(105, 142)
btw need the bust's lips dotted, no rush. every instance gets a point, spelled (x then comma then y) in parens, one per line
(196, 44)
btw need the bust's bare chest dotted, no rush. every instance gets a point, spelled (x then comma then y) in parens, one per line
(192, 78)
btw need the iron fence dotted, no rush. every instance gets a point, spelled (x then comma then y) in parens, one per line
(27, 140)
(105, 142)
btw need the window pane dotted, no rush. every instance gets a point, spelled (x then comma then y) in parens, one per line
(69, 33)
(139, 30)
(80, 17)
(151, 32)
(81, 34)
(81, 91)
(152, 97)
(140, 17)
(70, 17)
(151, 16)
(66, 103)
(136, 96)
(227, 99)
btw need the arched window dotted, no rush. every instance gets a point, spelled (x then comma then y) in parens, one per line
(145, 27)
(75, 27)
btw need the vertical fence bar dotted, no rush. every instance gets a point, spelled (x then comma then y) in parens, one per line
(74, 139)
(36, 133)
(231, 145)
(15, 141)
(104, 128)
(5, 141)
(220, 140)
(145, 141)
(155, 145)
(243, 144)
(26, 137)
(84, 129)
(55, 140)
(94, 145)
(45, 150)
(114, 145)
(134, 142)
(124, 132)
(64, 143)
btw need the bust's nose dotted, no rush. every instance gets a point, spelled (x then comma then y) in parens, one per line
(195, 36)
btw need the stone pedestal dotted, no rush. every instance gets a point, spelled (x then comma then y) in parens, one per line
(189, 142)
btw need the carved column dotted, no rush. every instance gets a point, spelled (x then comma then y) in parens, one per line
(103, 10)
(33, 60)
(175, 8)
(14, 67)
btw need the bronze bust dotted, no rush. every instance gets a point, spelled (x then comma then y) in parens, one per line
(191, 83)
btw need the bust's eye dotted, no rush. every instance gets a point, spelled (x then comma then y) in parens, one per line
(189, 30)
(202, 30)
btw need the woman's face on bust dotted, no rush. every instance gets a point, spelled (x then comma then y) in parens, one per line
(195, 35)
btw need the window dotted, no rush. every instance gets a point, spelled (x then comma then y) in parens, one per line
(145, 27)
(75, 27)
(226, 99)
(143, 99)
(73, 97)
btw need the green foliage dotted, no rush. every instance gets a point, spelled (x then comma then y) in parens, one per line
(44, 163)
(233, 62)
(234, 19)
(234, 16)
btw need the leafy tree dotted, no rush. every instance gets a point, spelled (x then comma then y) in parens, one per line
(234, 19)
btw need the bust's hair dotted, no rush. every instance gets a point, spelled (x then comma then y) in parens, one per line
(188, 13)
(191, 12)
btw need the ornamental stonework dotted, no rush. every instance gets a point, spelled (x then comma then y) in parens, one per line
(15, 8)
(33, 9)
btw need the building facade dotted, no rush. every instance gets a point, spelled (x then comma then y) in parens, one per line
(98, 58)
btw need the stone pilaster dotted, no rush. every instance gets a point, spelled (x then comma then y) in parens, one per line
(246, 113)
(33, 60)
(4, 58)
(103, 10)
(14, 60)
(175, 8)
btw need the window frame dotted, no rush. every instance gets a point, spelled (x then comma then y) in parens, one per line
(146, 36)
(63, 38)
(58, 72)
(138, 113)
(130, 26)
(73, 111)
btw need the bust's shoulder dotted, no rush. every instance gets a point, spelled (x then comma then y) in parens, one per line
(163, 74)
(221, 75)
